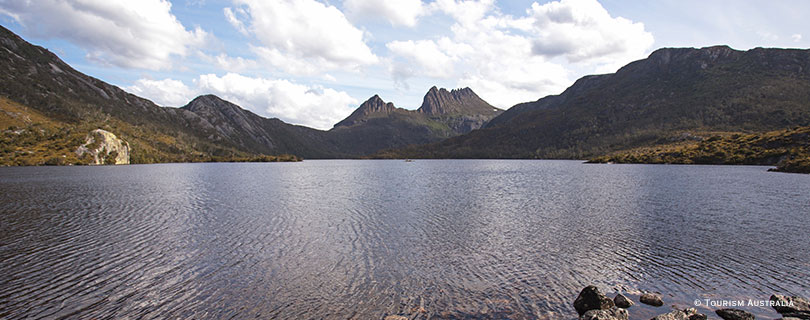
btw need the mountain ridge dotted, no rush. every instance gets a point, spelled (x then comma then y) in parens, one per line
(449, 113)
(49, 108)
(674, 90)
(461, 101)
(70, 104)
(374, 106)
(75, 104)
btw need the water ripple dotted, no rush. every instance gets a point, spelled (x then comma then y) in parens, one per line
(365, 239)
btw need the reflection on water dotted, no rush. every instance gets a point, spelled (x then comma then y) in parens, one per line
(364, 239)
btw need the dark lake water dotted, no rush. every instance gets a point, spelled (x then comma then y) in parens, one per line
(366, 239)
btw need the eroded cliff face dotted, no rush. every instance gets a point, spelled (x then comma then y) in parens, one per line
(104, 148)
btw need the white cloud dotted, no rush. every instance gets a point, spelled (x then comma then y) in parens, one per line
(303, 36)
(767, 36)
(235, 22)
(464, 12)
(228, 63)
(796, 37)
(421, 57)
(166, 92)
(483, 53)
(313, 106)
(508, 60)
(134, 34)
(396, 12)
(583, 31)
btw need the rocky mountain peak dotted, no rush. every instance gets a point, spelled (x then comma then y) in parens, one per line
(373, 107)
(455, 102)
(376, 104)
(210, 103)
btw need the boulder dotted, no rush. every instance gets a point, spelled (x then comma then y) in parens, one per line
(590, 298)
(395, 317)
(622, 301)
(791, 306)
(734, 314)
(673, 315)
(651, 299)
(104, 148)
(693, 314)
(613, 313)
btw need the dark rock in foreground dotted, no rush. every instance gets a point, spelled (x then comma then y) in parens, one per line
(673, 315)
(622, 301)
(605, 314)
(734, 314)
(651, 299)
(795, 307)
(686, 314)
(693, 314)
(589, 299)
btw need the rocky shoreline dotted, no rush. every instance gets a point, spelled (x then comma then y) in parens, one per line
(591, 304)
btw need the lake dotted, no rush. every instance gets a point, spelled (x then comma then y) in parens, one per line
(364, 239)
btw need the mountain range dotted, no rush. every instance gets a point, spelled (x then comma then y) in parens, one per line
(672, 94)
(49, 107)
(675, 95)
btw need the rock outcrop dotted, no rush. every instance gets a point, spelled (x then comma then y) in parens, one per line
(104, 148)
(794, 307)
(613, 313)
(591, 299)
(693, 314)
(622, 301)
(686, 314)
(734, 314)
(651, 299)
(673, 315)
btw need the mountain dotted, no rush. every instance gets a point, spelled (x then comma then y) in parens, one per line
(460, 109)
(374, 107)
(248, 131)
(48, 109)
(673, 92)
(377, 124)
(51, 108)
(373, 126)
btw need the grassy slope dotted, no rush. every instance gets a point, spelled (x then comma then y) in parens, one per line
(788, 149)
(28, 137)
(49, 107)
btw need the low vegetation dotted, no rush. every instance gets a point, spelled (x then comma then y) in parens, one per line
(29, 138)
(788, 150)
(257, 158)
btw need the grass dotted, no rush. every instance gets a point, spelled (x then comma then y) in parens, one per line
(29, 138)
(788, 150)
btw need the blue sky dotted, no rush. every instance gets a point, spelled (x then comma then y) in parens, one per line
(313, 62)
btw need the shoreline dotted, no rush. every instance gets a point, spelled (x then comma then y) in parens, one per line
(592, 304)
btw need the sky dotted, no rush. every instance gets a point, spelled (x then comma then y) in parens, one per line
(312, 62)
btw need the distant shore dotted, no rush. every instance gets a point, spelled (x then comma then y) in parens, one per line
(788, 150)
